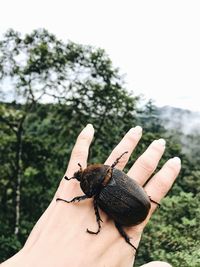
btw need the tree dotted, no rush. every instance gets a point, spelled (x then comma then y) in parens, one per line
(81, 85)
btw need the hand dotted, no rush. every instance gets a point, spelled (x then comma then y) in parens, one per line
(59, 238)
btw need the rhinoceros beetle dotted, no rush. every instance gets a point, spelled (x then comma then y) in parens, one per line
(119, 196)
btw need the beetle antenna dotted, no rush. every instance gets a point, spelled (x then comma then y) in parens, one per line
(81, 169)
(117, 160)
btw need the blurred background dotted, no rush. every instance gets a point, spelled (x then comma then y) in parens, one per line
(115, 64)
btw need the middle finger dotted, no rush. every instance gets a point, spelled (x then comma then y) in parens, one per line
(146, 164)
(128, 143)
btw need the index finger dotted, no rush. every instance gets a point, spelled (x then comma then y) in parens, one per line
(79, 155)
(80, 151)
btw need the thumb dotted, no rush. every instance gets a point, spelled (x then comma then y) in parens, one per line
(157, 264)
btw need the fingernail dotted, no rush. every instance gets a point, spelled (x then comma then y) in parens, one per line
(137, 130)
(89, 125)
(161, 141)
(176, 160)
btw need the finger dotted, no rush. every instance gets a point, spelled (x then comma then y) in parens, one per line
(79, 155)
(128, 143)
(156, 264)
(146, 164)
(162, 181)
(80, 151)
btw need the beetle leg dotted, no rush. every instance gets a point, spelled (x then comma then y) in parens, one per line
(124, 235)
(153, 201)
(79, 198)
(98, 218)
(117, 160)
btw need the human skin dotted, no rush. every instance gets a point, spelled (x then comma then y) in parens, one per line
(59, 238)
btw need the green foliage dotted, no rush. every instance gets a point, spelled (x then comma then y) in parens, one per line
(57, 88)
(9, 244)
(173, 233)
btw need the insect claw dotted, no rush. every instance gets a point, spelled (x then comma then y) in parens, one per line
(66, 178)
(91, 232)
(153, 201)
(60, 199)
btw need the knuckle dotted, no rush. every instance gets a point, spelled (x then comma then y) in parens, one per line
(84, 137)
(172, 168)
(132, 137)
(147, 163)
(78, 152)
(156, 149)
(162, 184)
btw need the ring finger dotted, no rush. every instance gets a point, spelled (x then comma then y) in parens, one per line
(162, 181)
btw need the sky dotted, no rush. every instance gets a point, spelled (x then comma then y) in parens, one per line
(155, 43)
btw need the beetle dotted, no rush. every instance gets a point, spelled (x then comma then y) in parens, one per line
(118, 195)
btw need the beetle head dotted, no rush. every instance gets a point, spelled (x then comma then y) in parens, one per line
(92, 179)
(78, 175)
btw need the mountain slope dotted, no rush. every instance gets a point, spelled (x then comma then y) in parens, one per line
(183, 120)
